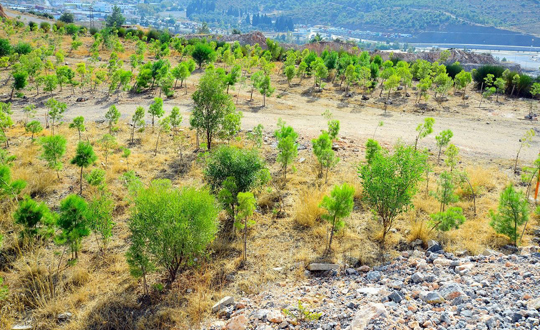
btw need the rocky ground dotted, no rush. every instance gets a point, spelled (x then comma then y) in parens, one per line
(419, 290)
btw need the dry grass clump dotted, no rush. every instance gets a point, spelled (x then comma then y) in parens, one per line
(307, 211)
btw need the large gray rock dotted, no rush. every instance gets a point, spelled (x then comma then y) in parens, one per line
(222, 303)
(322, 267)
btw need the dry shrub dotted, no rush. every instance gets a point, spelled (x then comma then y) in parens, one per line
(37, 284)
(482, 179)
(307, 211)
(116, 311)
(474, 236)
(40, 181)
(163, 319)
(419, 229)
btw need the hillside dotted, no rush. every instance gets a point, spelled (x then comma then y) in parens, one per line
(402, 16)
(145, 177)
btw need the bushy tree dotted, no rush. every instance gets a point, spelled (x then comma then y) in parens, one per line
(156, 109)
(112, 116)
(73, 222)
(372, 147)
(229, 171)
(290, 73)
(322, 148)
(36, 218)
(108, 143)
(390, 181)
(513, 212)
(338, 206)
(84, 157)
(202, 54)
(265, 88)
(20, 81)
(53, 149)
(170, 228)
(116, 19)
(212, 105)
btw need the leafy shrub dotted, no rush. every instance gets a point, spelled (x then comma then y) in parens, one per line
(32, 25)
(72, 29)
(45, 26)
(22, 48)
(93, 30)
(453, 69)
(121, 32)
(152, 34)
(482, 72)
(5, 47)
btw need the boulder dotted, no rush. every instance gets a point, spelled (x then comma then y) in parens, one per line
(451, 291)
(274, 316)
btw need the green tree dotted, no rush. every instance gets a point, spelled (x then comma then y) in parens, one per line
(265, 88)
(66, 17)
(461, 81)
(55, 112)
(78, 124)
(445, 192)
(322, 148)
(29, 111)
(96, 177)
(175, 119)
(338, 206)
(202, 54)
(246, 206)
(53, 149)
(137, 120)
(170, 228)
(229, 171)
(513, 211)
(20, 81)
(390, 181)
(156, 109)
(33, 127)
(452, 156)
(290, 73)
(212, 105)
(232, 77)
(442, 141)
(424, 130)
(116, 19)
(73, 222)
(84, 157)
(392, 82)
(287, 146)
(100, 216)
(36, 218)
(112, 116)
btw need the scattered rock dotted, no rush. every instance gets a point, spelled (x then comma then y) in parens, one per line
(322, 267)
(238, 322)
(374, 276)
(431, 297)
(222, 303)
(366, 314)
(274, 316)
